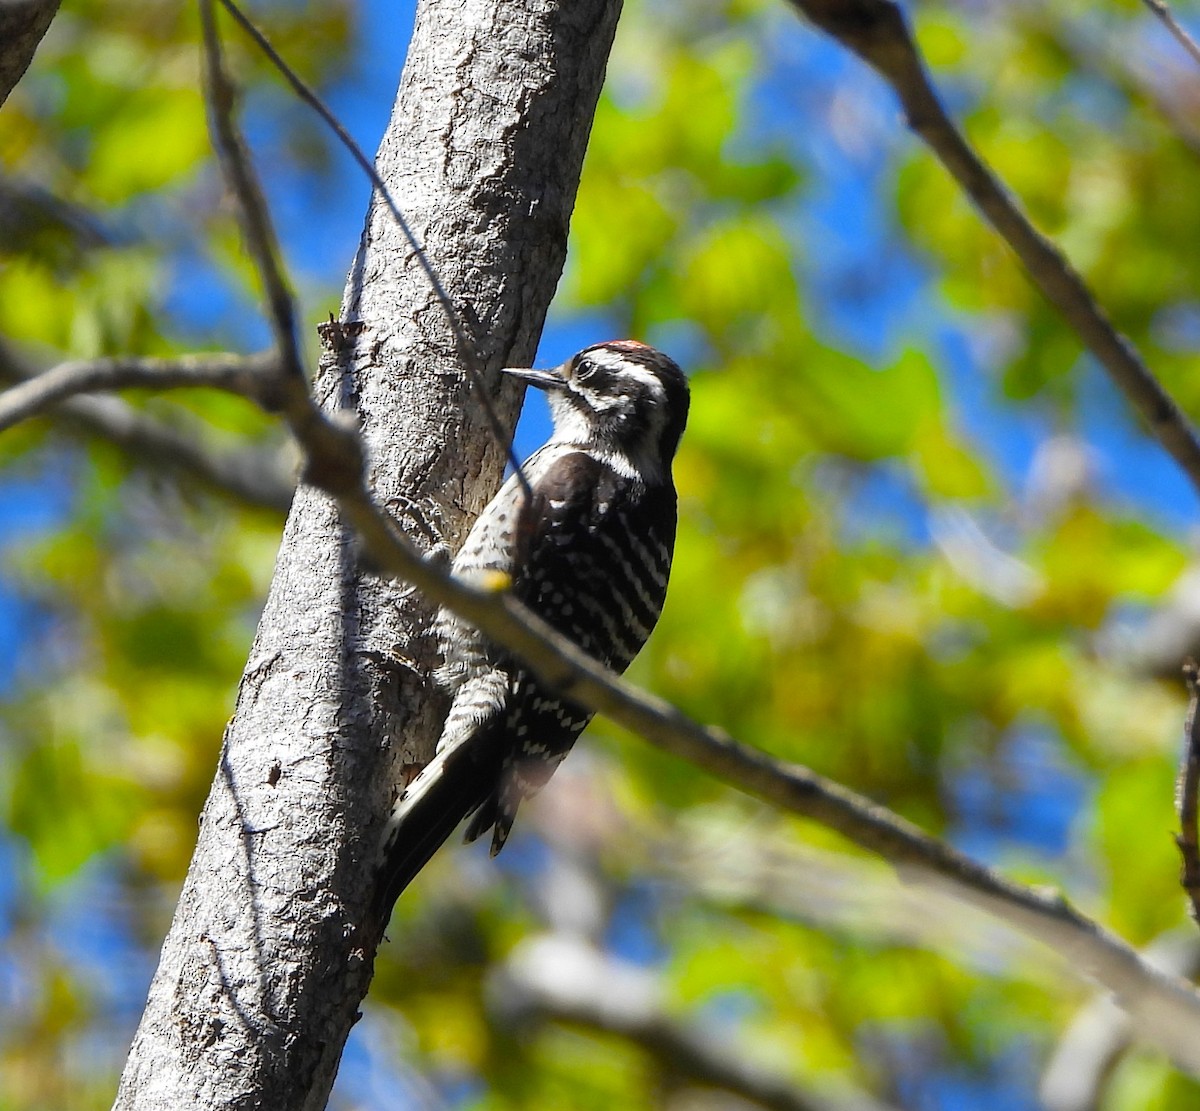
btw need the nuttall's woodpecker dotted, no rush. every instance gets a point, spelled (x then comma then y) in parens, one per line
(589, 552)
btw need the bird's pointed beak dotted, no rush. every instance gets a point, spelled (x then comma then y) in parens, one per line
(542, 379)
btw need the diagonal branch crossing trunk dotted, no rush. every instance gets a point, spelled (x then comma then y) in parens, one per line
(270, 953)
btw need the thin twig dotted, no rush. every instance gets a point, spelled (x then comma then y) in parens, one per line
(877, 31)
(466, 350)
(334, 452)
(1161, 9)
(239, 374)
(1186, 793)
(1167, 1011)
(252, 206)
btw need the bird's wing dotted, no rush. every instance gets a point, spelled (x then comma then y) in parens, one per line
(593, 563)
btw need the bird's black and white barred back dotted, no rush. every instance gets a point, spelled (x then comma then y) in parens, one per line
(590, 552)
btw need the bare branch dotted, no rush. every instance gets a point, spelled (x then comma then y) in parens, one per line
(1186, 795)
(563, 979)
(1161, 9)
(1167, 1011)
(240, 374)
(877, 32)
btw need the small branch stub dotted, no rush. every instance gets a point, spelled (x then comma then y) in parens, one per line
(1187, 790)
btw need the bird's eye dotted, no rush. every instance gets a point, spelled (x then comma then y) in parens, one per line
(583, 370)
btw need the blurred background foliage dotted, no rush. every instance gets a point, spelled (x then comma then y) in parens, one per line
(924, 549)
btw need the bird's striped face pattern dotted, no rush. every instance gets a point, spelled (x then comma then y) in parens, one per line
(622, 398)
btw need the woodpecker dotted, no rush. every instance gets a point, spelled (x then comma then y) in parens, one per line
(589, 550)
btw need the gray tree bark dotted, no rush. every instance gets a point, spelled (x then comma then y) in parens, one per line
(22, 25)
(271, 949)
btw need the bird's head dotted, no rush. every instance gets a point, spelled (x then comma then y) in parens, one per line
(622, 398)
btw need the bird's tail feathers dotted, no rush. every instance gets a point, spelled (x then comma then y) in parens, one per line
(456, 782)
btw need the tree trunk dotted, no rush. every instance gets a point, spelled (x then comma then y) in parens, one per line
(270, 951)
